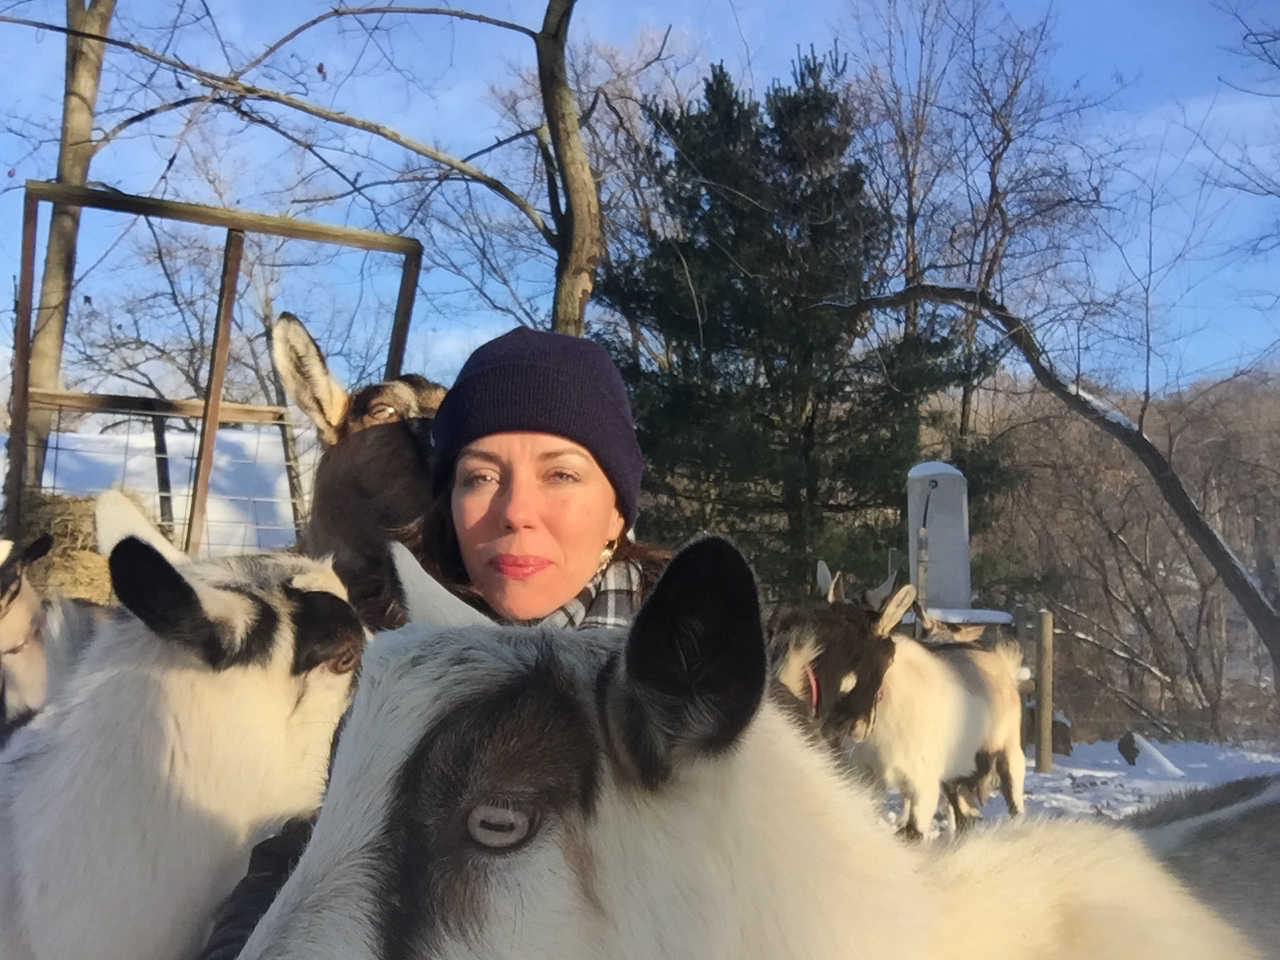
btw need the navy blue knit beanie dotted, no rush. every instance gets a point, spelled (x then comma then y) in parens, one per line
(545, 383)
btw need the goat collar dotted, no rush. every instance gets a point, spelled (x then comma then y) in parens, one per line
(814, 692)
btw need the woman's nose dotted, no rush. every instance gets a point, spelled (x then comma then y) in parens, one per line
(518, 503)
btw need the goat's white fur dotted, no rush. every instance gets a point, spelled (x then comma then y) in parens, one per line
(115, 517)
(128, 807)
(760, 852)
(426, 599)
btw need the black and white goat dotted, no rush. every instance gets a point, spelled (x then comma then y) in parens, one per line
(373, 481)
(519, 792)
(200, 718)
(922, 718)
(23, 666)
(40, 639)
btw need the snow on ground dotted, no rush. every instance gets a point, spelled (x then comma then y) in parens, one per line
(1095, 779)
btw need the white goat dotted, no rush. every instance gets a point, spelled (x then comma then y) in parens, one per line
(40, 640)
(938, 712)
(921, 717)
(1224, 844)
(200, 717)
(22, 659)
(507, 792)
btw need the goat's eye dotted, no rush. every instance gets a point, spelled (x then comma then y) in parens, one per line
(345, 661)
(498, 826)
(383, 411)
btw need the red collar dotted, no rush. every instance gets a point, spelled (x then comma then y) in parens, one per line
(813, 687)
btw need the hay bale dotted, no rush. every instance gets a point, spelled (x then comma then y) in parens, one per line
(73, 568)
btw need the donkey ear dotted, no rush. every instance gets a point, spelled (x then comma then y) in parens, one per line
(824, 577)
(426, 600)
(695, 660)
(156, 592)
(116, 517)
(306, 378)
(895, 609)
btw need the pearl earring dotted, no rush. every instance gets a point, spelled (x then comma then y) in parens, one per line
(606, 555)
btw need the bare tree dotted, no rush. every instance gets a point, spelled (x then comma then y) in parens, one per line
(568, 219)
(977, 156)
(1151, 633)
(86, 23)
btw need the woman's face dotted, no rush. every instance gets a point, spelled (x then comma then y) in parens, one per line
(533, 513)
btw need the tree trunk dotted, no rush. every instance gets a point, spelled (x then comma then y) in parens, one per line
(75, 151)
(579, 233)
(1262, 614)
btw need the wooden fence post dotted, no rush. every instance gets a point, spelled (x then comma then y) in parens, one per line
(1044, 694)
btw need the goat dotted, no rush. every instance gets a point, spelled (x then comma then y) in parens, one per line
(40, 640)
(23, 670)
(199, 719)
(373, 481)
(1222, 843)
(922, 718)
(519, 792)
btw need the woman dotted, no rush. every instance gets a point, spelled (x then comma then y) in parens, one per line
(535, 479)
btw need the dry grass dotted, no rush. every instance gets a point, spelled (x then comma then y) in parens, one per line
(73, 568)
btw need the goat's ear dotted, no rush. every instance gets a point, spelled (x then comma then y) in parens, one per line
(695, 660)
(426, 600)
(36, 549)
(967, 634)
(927, 623)
(116, 517)
(306, 378)
(876, 599)
(895, 609)
(824, 578)
(156, 592)
(835, 589)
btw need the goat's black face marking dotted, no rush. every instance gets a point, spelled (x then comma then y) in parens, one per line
(529, 747)
(326, 628)
(153, 591)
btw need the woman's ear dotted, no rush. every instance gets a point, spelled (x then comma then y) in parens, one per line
(618, 525)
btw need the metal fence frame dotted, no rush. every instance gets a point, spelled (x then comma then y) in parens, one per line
(212, 411)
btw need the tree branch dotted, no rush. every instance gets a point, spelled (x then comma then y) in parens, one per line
(1242, 585)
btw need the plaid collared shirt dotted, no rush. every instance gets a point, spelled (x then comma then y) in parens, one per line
(611, 599)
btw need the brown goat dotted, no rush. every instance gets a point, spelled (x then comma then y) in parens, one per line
(373, 481)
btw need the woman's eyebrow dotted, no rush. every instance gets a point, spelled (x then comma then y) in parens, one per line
(479, 454)
(563, 452)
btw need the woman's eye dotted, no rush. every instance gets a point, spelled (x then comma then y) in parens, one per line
(563, 476)
(472, 480)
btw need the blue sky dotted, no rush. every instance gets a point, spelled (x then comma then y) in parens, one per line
(1169, 55)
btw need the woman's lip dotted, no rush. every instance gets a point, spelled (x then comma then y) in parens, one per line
(515, 567)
